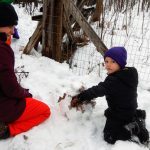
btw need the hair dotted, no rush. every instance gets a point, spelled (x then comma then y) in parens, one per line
(8, 15)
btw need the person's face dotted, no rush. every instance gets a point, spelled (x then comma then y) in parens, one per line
(111, 65)
(8, 30)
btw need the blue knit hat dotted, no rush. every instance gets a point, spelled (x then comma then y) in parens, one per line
(119, 54)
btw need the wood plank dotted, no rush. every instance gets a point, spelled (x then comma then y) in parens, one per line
(71, 8)
(34, 39)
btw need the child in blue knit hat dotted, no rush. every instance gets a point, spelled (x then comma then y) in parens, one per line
(123, 119)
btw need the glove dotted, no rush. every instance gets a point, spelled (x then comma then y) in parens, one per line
(79, 105)
(75, 102)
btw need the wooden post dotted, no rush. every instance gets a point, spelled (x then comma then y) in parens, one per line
(52, 29)
(57, 29)
(45, 28)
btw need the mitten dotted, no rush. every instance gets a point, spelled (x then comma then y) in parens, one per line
(75, 102)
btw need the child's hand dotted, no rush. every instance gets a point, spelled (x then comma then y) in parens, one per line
(80, 105)
(75, 102)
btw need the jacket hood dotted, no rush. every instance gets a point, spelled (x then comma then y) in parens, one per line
(128, 75)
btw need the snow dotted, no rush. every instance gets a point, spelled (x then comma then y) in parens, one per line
(66, 129)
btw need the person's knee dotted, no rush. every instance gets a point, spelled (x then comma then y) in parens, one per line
(47, 111)
(109, 138)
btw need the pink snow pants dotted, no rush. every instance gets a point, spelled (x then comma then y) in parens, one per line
(35, 113)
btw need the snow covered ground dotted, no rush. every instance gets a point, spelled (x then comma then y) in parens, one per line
(66, 129)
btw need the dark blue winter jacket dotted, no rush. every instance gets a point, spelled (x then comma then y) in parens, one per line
(120, 89)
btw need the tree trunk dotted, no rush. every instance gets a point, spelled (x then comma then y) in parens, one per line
(45, 28)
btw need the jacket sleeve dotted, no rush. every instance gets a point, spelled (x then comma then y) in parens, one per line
(103, 88)
(8, 81)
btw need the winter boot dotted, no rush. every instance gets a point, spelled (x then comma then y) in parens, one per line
(4, 131)
(143, 135)
(138, 127)
(16, 35)
(133, 128)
